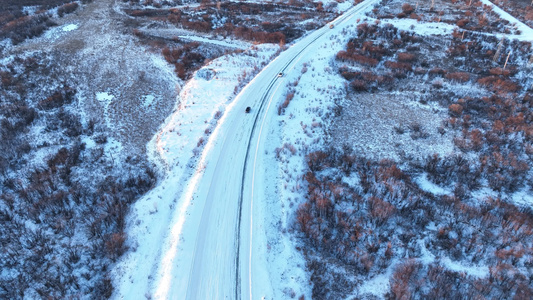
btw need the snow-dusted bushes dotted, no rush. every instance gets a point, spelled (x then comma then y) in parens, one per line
(257, 22)
(18, 26)
(444, 226)
(385, 217)
(500, 134)
(62, 203)
(62, 96)
(184, 58)
(470, 15)
(67, 8)
(522, 10)
(25, 27)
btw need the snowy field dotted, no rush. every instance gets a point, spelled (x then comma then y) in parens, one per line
(164, 215)
(226, 218)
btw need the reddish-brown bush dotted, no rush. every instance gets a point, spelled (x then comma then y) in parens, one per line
(359, 85)
(58, 98)
(67, 8)
(437, 71)
(406, 57)
(499, 85)
(285, 104)
(499, 71)
(317, 160)
(364, 30)
(201, 26)
(407, 8)
(379, 209)
(458, 76)
(114, 245)
(455, 110)
(349, 56)
(348, 75)
(462, 23)
(400, 66)
(401, 277)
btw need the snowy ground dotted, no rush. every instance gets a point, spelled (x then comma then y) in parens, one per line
(178, 148)
(112, 71)
(305, 126)
(160, 216)
(160, 222)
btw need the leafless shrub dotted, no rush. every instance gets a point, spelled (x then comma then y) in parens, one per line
(400, 66)
(285, 104)
(67, 9)
(455, 109)
(58, 98)
(458, 76)
(406, 57)
(114, 245)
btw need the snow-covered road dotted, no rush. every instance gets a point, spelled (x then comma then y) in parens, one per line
(222, 263)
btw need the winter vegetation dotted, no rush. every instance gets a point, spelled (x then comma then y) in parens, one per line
(251, 21)
(64, 195)
(392, 155)
(24, 19)
(469, 15)
(522, 10)
(67, 177)
(410, 223)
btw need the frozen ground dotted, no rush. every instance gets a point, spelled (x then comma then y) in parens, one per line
(131, 90)
(101, 59)
(170, 216)
(173, 231)
(179, 148)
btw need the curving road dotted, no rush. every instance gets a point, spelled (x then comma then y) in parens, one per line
(221, 265)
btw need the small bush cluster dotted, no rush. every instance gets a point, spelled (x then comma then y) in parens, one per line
(25, 27)
(59, 98)
(285, 104)
(500, 134)
(184, 58)
(374, 49)
(67, 8)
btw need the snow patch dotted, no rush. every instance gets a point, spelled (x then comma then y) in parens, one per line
(377, 286)
(148, 100)
(224, 43)
(69, 27)
(421, 28)
(426, 256)
(56, 32)
(89, 143)
(476, 271)
(428, 186)
(523, 198)
(352, 180)
(104, 97)
(30, 10)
